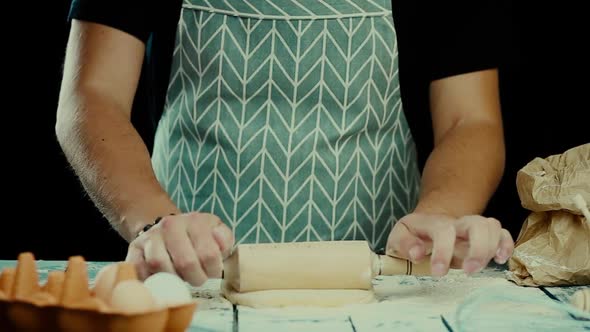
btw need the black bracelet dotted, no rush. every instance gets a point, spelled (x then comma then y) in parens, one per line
(148, 226)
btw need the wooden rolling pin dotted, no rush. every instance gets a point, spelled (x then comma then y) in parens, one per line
(312, 265)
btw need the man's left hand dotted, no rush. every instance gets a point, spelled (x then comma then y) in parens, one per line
(468, 242)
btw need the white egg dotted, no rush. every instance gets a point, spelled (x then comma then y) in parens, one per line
(168, 289)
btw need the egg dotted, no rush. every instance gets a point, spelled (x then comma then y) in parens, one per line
(105, 282)
(168, 289)
(131, 296)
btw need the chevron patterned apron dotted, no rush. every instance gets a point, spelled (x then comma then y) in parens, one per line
(284, 119)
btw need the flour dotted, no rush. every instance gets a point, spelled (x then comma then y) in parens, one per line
(406, 303)
(537, 261)
(450, 289)
(209, 296)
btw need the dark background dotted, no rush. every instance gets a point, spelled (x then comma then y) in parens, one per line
(45, 211)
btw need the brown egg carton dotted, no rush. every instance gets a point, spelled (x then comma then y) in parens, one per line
(67, 303)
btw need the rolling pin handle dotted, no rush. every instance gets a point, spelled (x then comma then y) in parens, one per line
(389, 266)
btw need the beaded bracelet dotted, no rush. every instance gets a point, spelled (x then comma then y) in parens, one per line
(148, 226)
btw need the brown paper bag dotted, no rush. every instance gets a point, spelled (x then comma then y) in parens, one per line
(553, 247)
(550, 184)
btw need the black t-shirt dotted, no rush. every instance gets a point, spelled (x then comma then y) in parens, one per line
(436, 39)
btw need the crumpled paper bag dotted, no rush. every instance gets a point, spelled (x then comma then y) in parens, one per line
(553, 247)
(549, 184)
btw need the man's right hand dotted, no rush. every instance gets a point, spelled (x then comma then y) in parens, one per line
(191, 245)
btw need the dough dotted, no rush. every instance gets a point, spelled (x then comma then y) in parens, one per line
(298, 297)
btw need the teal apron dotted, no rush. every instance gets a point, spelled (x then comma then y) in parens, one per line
(284, 119)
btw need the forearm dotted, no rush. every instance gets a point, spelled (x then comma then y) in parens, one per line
(464, 170)
(112, 163)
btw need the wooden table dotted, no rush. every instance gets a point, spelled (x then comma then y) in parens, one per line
(406, 303)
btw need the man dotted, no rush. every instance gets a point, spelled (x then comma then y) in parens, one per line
(279, 122)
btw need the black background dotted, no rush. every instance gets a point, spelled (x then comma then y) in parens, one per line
(545, 112)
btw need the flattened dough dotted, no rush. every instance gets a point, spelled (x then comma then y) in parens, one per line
(298, 297)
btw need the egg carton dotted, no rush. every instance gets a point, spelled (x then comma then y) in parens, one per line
(118, 301)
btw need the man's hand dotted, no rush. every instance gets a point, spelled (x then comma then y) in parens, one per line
(192, 245)
(469, 242)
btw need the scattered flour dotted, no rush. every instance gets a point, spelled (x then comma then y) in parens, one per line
(406, 303)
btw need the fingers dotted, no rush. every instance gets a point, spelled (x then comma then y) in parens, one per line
(461, 250)
(209, 237)
(191, 245)
(135, 256)
(156, 255)
(403, 244)
(407, 239)
(478, 249)
(470, 242)
(224, 238)
(443, 245)
(505, 248)
(484, 236)
(181, 251)
(210, 257)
